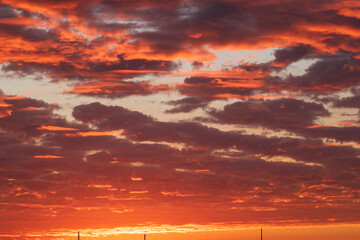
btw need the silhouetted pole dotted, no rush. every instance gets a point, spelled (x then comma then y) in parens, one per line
(144, 236)
(261, 233)
(78, 235)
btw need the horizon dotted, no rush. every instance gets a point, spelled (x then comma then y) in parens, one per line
(318, 232)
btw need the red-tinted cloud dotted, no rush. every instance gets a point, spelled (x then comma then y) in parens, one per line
(186, 105)
(69, 173)
(283, 150)
(330, 74)
(281, 113)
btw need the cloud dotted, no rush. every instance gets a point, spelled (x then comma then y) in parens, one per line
(346, 133)
(292, 54)
(25, 32)
(109, 117)
(6, 11)
(87, 45)
(197, 65)
(241, 172)
(25, 116)
(118, 89)
(289, 114)
(280, 113)
(348, 102)
(283, 150)
(329, 74)
(186, 105)
(218, 88)
(133, 64)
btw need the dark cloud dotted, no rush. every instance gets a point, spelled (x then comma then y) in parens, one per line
(197, 65)
(226, 22)
(186, 105)
(133, 64)
(254, 67)
(109, 117)
(346, 133)
(6, 11)
(198, 80)
(26, 117)
(289, 114)
(60, 71)
(289, 55)
(329, 74)
(140, 127)
(342, 41)
(348, 102)
(27, 33)
(218, 88)
(280, 113)
(33, 34)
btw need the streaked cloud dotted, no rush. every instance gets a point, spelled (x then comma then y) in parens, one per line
(177, 116)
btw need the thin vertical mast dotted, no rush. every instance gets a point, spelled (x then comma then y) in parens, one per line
(78, 235)
(144, 236)
(261, 233)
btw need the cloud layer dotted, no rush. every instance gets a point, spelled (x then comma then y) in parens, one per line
(275, 142)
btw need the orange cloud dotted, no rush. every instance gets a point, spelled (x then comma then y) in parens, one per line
(334, 124)
(48, 156)
(56, 128)
(138, 192)
(99, 186)
(119, 89)
(249, 163)
(136, 178)
(177, 194)
(94, 133)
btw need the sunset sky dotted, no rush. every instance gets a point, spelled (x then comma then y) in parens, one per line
(182, 119)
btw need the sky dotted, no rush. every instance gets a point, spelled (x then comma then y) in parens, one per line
(181, 119)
